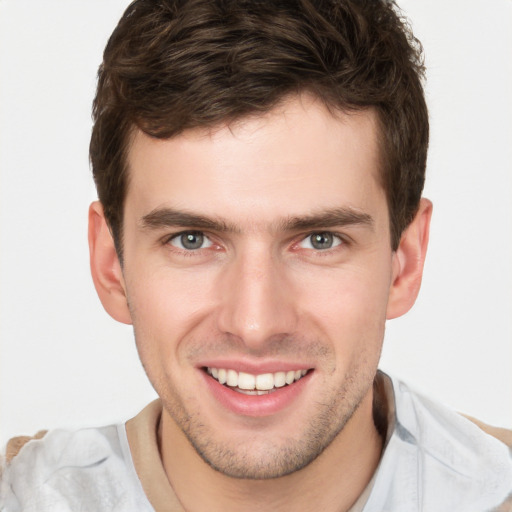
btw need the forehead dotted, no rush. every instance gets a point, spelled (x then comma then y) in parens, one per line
(296, 158)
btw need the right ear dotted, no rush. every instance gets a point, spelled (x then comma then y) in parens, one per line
(105, 266)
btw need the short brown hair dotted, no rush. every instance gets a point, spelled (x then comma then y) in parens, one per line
(172, 65)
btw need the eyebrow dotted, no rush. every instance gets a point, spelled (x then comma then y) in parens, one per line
(332, 217)
(169, 217)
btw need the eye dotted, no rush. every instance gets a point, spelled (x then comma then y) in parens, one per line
(321, 241)
(190, 241)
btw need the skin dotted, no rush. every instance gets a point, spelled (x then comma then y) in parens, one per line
(258, 294)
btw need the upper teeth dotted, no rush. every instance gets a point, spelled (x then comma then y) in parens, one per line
(262, 382)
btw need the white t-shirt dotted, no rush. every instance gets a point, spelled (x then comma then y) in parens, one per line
(434, 461)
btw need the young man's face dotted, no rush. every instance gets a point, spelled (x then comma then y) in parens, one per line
(251, 252)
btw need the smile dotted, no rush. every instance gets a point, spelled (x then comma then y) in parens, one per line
(249, 384)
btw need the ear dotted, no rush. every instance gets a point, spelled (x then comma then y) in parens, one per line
(408, 262)
(105, 266)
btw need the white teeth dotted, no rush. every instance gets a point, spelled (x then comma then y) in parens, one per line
(246, 381)
(255, 384)
(247, 391)
(265, 381)
(279, 379)
(232, 378)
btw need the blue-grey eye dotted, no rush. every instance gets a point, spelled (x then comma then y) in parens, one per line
(321, 241)
(190, 241)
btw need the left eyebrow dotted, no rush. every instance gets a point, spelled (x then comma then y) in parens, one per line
(334, 217)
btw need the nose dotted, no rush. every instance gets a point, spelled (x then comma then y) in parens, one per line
(257, 303)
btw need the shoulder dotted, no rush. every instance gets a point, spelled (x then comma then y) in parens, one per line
(15, 444)
(455, 460)
(501, 434)
(67, 470)
(432, 423)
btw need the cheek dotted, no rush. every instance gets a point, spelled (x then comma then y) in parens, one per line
(164, 309)
(166, 305)
(348, 305)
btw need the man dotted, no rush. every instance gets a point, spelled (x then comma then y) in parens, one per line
(259, 167)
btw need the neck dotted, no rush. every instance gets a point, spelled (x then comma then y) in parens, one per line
(332, 482)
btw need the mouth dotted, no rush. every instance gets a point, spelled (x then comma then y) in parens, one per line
(249, 384)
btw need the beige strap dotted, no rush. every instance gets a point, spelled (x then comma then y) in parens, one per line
(143, 440)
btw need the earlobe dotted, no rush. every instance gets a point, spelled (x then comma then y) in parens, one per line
(105, 266)
(408, 262)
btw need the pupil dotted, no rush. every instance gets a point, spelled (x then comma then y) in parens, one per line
(192, 240)
(321, 240)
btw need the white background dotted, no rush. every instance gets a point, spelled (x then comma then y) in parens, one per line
(64, 362)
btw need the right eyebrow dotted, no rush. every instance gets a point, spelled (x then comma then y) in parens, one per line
(169, 217)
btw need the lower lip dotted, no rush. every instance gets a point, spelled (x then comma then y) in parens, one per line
(256, 405)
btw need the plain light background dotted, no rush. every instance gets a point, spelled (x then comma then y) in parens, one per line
(64, 362)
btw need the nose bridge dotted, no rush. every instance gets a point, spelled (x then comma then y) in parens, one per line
(256, 303)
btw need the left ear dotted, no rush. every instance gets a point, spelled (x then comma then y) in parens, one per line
(408, 261)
